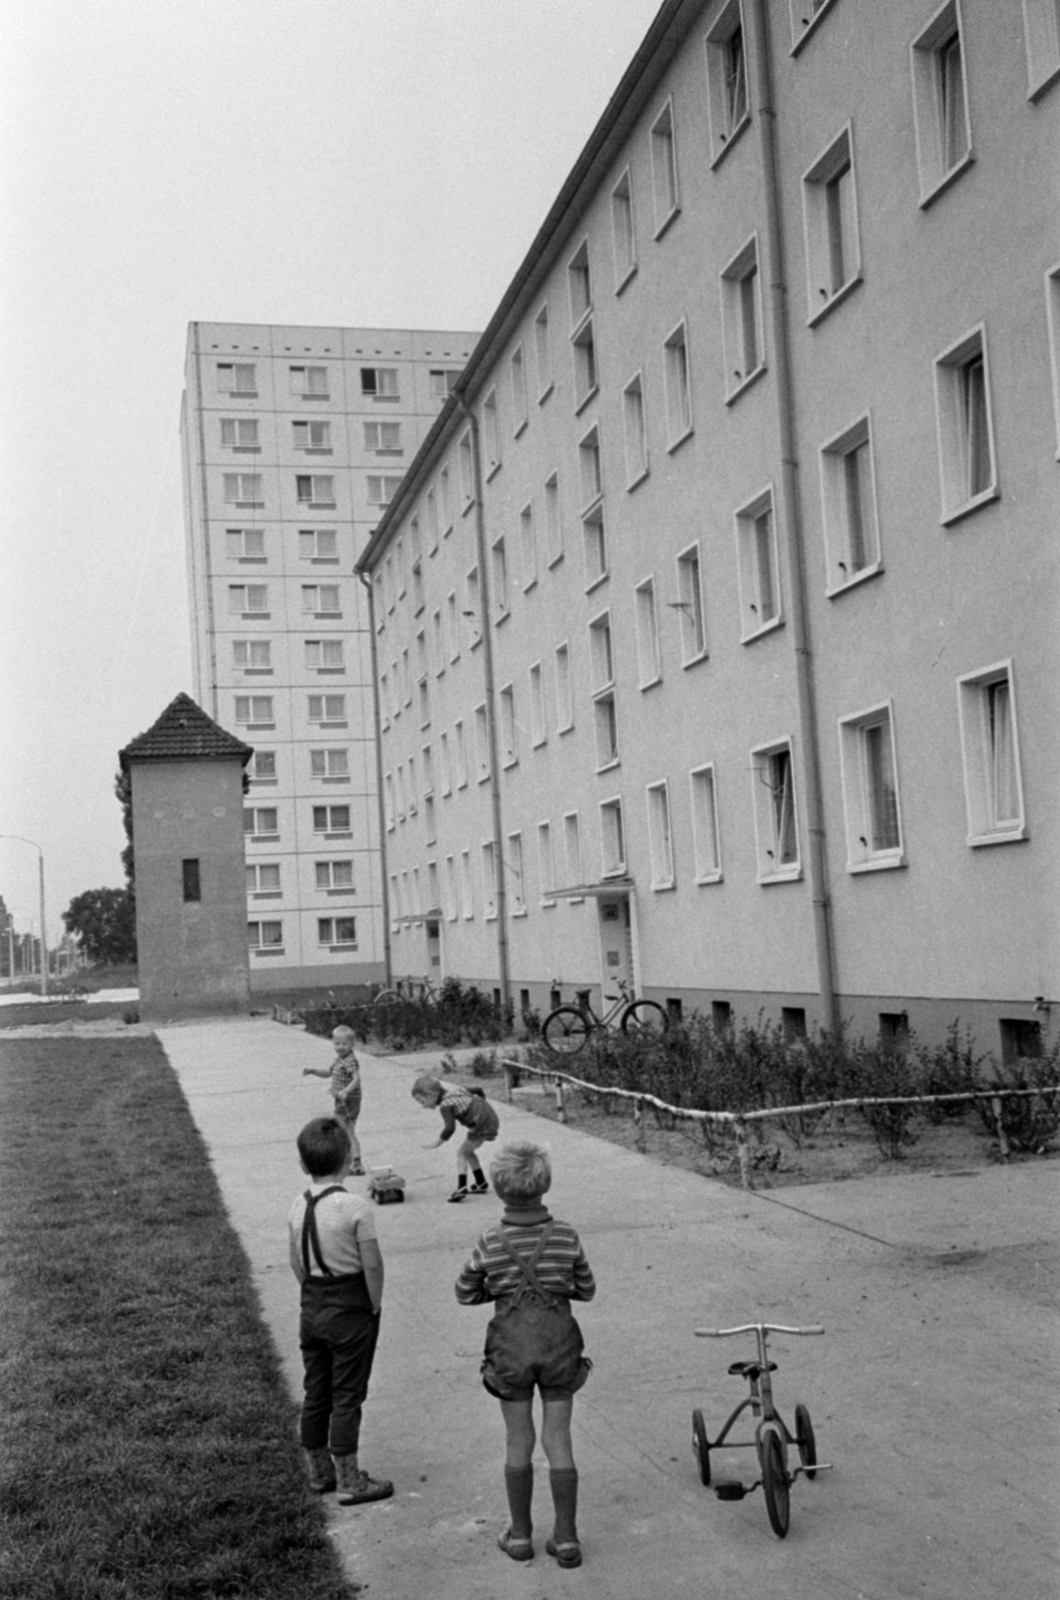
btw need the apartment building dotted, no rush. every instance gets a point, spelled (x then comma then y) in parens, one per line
(716, 618)
(294, 440)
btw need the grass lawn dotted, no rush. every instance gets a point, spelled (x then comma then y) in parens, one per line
(147, 1440)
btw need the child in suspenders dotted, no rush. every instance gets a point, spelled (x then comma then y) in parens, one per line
(532, 1266)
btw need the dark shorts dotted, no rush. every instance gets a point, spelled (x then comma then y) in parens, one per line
(531, 1346)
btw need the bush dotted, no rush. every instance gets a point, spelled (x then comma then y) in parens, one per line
(409, 1022)
(1029, 1121)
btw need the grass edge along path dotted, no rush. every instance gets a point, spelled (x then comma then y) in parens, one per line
(147, 1445)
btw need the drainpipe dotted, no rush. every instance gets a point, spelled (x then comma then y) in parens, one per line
(491, 720)
(380, 806)
(792, 519)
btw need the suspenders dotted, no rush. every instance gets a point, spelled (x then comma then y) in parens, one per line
(527, 1267)
(310, 1236)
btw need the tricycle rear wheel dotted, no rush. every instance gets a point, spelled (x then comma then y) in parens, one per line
(701, 1446)
(804, 1439)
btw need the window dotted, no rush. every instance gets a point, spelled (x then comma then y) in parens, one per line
(649, 659)
(313, 490)
(543, 351)
(965, 426)
(252, 655)
(318, 544)
(589, 460)
(664, 169)
(330, 763)
(383, 438)
(452, 625)
(263, 879)
(381, 490)
(706, 839)
(527, 547)
(513, 866)
(245, 544)
(1021, 1040)
(741, 317)
(564, 690)
(601, 653)
(459, 754)
(311, 435)
(612, 838)
(940, 103)
(334, 876)
(635, 431)
(726, 80)
(331, 819)
(443, 381)
(324, 655)
(518, 372)
(467, 902)
(501, 603)
(309, 382)
(321, 599)
(248, 599)
(379, 383)
(660, 838)
(538, 732)
(678, 387)
(264, 768)
(546, 865)
(594, 541)
(243, 488)
(239, 433)
(237, 377)
(328, 708)
(431, 512)
(450, 888)
(509, 742)
(190, 880)
(473, 609)
(572, 845)
(445, 503)
(848, 503)
(441, 650)
(776, 830)
(261, 822)
(602, 667)
(491, 436)
(623, 231)
(585, 375)
(266, 938)
(255, 711)
(580, 285)
(482, 745)
(757, 555)
(1041, 31)
(833, 251)
(337, 931)
(690, 606)
(554, 518)
(870, 790)
(990, 751)
(805, 15)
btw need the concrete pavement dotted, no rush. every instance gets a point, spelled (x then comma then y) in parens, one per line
(933, 1391)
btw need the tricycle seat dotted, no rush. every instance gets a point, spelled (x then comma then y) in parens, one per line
(751, 1369)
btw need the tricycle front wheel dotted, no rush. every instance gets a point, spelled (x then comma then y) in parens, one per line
(701, 1446)
(776, 1485)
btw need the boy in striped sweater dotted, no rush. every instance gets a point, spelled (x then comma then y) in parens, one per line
(532, 1266)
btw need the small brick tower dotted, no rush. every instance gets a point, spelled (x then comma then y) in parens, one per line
(186, 776)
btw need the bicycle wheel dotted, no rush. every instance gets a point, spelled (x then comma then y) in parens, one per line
(775, 1484)
(565, 1030)
(645, 1017)
(804, 1438)
(700, 1446)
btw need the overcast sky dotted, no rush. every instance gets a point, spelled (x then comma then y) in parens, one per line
(341, 162)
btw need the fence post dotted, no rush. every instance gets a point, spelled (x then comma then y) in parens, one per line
(561, 1108)
(638, 1123)
(742, 1153)
(1002, 1137)
(508, 1082)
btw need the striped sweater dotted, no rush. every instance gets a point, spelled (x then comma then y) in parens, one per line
(490, 1274)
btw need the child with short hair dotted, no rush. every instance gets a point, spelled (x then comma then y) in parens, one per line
(470, 1108)
(345, 1075)
(532, 1266)
(335, 1257)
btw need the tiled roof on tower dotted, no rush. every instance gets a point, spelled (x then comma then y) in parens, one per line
(184, 732)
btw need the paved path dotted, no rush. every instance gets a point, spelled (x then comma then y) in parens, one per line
(933, 1391)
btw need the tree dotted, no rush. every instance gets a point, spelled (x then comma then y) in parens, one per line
(123, 793)
(105, 922)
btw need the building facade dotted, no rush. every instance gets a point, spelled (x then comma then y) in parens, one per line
(716, 619)
(293, 441)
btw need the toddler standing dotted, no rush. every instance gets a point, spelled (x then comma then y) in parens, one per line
(345, 1075)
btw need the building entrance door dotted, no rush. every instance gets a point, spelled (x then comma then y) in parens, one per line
(616, 942)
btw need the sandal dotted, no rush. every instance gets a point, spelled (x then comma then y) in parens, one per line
(567, 1555)
(518, 1549)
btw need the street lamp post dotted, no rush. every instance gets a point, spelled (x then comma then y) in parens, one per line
(43, 940)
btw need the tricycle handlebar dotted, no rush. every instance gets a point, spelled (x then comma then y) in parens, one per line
(754, 1327)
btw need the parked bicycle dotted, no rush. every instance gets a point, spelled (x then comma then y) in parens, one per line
(772, 1436)
(569, 1028)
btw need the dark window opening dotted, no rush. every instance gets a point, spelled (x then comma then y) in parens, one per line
(721, 1013)
(192, 886)
(673, 1008)
(793, 1021)
(1020, 1039)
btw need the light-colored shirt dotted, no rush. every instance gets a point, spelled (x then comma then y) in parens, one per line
(345, 1074)
(343, 1220)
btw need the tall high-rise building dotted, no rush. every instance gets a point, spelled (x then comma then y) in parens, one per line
(294, 440)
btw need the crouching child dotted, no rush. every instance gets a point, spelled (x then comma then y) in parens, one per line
(531, 1266)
